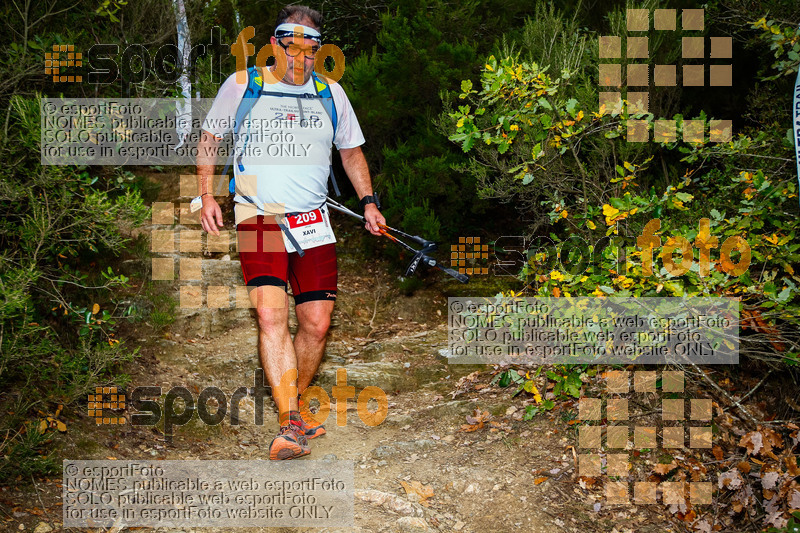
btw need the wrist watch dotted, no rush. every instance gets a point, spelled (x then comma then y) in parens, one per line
(369, 199)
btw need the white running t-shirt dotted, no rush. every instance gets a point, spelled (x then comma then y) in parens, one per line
(283, 154)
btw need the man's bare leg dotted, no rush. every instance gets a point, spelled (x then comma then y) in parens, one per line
(313, 319)
(275, 347)
(280, 366)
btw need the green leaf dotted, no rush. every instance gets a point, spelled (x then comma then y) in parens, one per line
(571, 104)
(684, 196)
(784, 295)
(468, 142)
(527, 179)
(617, 203)
(466, 86)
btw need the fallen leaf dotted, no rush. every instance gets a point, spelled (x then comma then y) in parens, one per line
(664, 469)
(794, 500)
(423, 491)
(539, 480)
(718, 455)
(62, 427)
(769, 479)
(791, 465)
(731, 480)
(753, 442)
(703, 526)
(771, 440)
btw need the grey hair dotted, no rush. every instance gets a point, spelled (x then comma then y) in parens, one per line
(298, 13)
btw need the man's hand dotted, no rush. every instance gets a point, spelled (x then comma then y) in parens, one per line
(374, 218)
(211, 215)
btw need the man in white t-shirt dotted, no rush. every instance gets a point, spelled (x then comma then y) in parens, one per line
(281, 169)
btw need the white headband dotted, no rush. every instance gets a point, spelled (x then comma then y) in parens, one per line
(287, 29)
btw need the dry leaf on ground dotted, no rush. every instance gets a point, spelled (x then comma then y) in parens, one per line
(423, 491)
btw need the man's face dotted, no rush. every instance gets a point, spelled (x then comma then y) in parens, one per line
(299, 54)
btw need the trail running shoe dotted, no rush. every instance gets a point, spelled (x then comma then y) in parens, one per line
(311, 428)
(289, 444)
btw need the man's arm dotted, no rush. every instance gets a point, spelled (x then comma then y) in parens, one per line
(357, 170)
(211, 215)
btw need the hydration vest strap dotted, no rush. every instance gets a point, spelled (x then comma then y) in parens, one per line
(285, 230)
(333, 182)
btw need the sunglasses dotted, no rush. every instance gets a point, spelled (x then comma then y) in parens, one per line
(294, 50)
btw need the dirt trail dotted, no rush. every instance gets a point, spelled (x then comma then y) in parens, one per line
(508, 476)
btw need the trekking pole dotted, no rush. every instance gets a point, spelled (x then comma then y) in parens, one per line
(339, 207)
(420, 256)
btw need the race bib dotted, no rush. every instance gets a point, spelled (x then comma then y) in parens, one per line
(310, 229)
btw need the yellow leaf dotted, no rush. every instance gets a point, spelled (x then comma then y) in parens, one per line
(424, 491)
(489, 67)
(590, 224)
(95, 308)
(42, 426)
(597, 292)
(579, 116)
(564, 214)
(609, 211)
(62, 427)
(460, 122)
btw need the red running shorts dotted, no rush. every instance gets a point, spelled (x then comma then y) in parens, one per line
(265, 261)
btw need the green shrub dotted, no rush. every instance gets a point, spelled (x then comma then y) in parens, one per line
(59, 302)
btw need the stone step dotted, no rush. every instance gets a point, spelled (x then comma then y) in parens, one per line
(391, 377)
